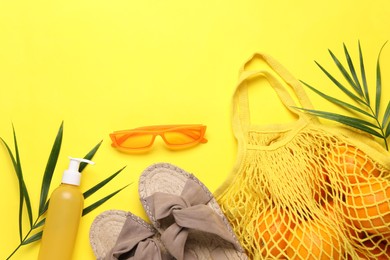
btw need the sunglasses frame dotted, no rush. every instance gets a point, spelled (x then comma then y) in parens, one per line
(119, 137)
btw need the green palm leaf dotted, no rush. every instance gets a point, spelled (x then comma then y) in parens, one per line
(340, 86)
(370, 122)
(338, 101)
(350, 121)
(89, 156)
(19, 172)
(101, 201)
(378, 83)
(23, 192)
(101, 184)
(357, 85)
(50, 166)
(33, 238)
(345, 73)
(386, 121)
(39, 224)
(363, 76)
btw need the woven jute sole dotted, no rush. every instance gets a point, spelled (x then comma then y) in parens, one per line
(106, 227)
(105, 230)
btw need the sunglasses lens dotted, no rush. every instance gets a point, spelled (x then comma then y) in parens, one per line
(136, 141)
(183, 137)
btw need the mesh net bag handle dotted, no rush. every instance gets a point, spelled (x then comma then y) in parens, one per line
(241, 114)
(240, 110)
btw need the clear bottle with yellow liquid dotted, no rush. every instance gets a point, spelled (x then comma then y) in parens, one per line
(63, 216)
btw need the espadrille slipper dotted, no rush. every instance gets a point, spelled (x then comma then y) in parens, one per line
(116, 234)
(185, 213)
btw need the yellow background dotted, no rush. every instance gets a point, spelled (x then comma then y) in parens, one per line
(106, 65)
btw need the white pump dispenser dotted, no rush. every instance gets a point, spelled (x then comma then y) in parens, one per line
(72, 174)
(63, 215)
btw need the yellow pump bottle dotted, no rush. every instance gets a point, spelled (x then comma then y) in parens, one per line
(63, 216)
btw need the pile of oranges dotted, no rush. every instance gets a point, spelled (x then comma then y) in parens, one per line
(351, 219)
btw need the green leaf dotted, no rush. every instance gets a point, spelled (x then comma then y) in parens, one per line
(28, 203)
(338, 102)
(363, 75)
(33, 238)
(373, 127)
(90, 155)
(101, 184)
(45, 207)
(386, 121)
(23, 192)
(21, 195)
(341, 86)
(386, 116)
(378, 88)
(358, 88)
(101, 201)
(344, 71)
(387, 131)
(350, 121)
(40, 223)
(50, 167)
(378, 83)
(23, 184)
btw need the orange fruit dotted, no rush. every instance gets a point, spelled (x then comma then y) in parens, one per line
(351, 231)
(353, 164)
(368, 206)
(334, 212)
(319, 182)
(313, 239)
(272, 231)
(320, 188)
(374, 249)
(329, 208)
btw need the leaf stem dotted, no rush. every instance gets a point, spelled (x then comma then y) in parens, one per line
(24, 239)
(16, 249)
(375, 116)
(380, 126)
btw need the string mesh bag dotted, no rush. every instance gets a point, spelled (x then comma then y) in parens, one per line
(304, 189)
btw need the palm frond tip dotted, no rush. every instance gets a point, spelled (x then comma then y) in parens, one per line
(368, 118)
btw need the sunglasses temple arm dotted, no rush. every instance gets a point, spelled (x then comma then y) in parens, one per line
(120, 140)
(190, 134)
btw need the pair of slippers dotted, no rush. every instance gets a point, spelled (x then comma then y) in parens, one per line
(187, 222)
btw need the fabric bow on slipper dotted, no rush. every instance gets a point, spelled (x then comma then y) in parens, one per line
(189, 211)
(185, 213)
(137, 240)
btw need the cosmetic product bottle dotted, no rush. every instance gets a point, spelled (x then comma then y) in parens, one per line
(63, 216)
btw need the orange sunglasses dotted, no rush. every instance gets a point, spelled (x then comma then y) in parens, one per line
(142, 138)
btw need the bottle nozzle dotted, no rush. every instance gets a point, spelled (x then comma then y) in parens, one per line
(72, 174)
(75, 163)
